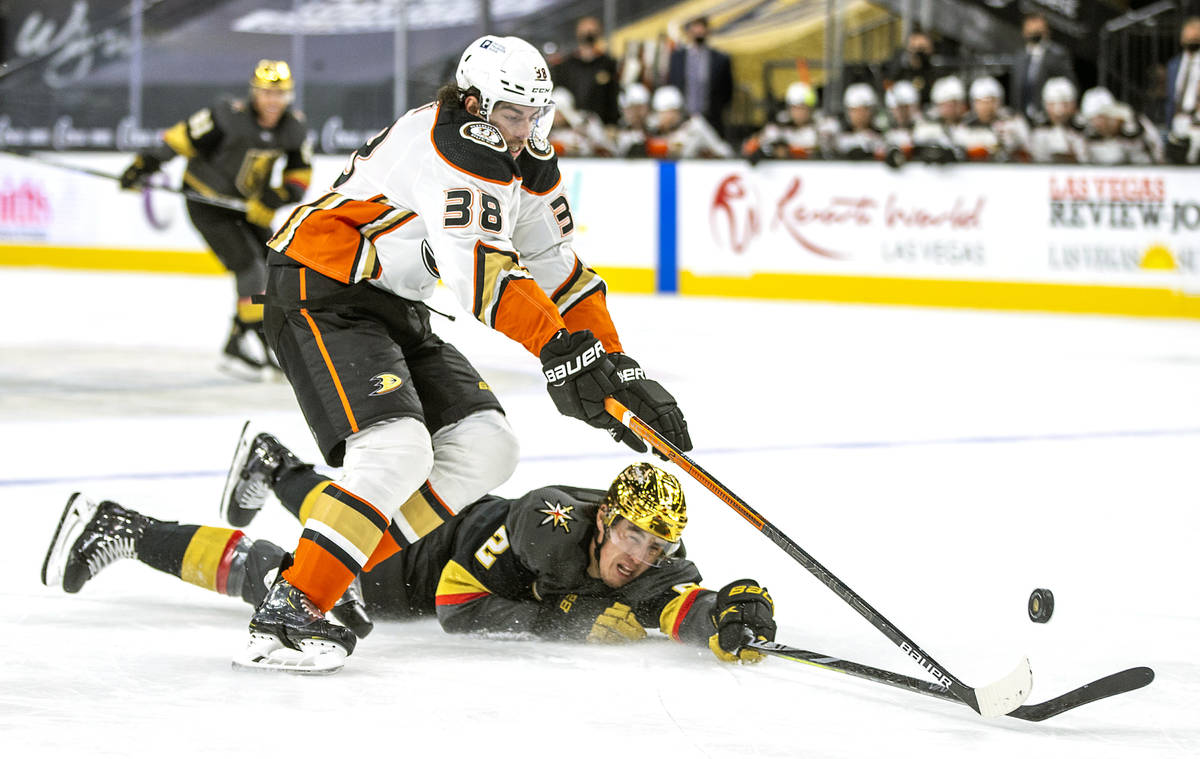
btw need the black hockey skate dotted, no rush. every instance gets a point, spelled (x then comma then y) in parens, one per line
(247, 355)
(256, 460)
(288, 633)
(351, 612)
(88, 539)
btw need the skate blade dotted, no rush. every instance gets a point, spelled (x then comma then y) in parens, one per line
(239, 369)
(240, 455)
(264, 653)
(75, 516)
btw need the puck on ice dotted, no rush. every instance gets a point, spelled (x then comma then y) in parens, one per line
(1041, 605)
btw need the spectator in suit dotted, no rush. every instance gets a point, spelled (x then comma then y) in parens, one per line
(1041, 59)
(590, 73)
(1183, 73)
(703, 75)
(913, 64)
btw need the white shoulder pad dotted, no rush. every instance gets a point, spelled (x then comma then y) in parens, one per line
(485, 134)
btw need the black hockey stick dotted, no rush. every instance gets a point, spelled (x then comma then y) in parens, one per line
(1001, 697)
(220, 201)
(1112, 685)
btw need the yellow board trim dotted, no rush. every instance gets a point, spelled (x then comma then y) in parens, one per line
(110, 259)
(1006, 296)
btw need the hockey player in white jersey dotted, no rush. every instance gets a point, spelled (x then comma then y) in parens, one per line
(465, 190)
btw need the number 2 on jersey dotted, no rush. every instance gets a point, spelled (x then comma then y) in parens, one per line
(459, 204)
(495, 545)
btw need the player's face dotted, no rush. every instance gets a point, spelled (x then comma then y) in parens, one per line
(270, 105)
(1061, 112)
(801, 114)
(985, 108)
(516, 123)
(627, 552)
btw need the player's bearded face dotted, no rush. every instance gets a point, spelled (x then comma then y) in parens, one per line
(516, 123)
(270, 104)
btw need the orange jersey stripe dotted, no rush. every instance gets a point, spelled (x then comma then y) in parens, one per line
(525, 314)
(320, 575)
(387, 548)
(337, 381)
(592, 313)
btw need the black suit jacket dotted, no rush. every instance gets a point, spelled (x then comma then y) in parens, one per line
(720, 83)
(1056, 61)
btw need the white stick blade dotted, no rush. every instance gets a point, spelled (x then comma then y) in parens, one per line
(1007, 693)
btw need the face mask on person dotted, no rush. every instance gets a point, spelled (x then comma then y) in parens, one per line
(1192, 47)
(588, 39)
(699, 39)
(1035, 38)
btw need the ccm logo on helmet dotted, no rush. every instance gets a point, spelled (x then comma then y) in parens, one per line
(559, 373)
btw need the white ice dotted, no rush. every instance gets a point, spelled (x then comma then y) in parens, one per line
(941, 463)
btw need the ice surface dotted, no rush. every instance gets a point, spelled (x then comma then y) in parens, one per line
(941, 463)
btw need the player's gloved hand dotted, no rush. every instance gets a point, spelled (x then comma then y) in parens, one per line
(138, 171)
(596, 619)
(741, 606)
(651, 403)
(579, 376)
(616, 624)
(258, 213)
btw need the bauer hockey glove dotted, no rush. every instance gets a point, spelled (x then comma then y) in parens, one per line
(742, 606)
(591, 618)
(651, 403)
(579, 376)
(137, 172)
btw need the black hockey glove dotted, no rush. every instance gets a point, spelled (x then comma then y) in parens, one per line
(579, 376)
(651, 403)
(742, 606)
(595, 619)
(138, 171)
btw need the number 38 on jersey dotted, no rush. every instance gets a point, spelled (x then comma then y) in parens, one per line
(465, 205)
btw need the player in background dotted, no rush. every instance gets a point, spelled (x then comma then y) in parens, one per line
(858, 139)
(1059, 137)
(466, 191)
(991, 132)
(559, 562)
(801, 131)
(231, 149)
(675, 134)
(903, 104)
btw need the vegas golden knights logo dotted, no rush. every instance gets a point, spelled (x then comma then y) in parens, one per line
(255, 171)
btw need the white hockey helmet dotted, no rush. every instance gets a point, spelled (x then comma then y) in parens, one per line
(946, 89)
(667, 98)
(800, 93)
(1058, 89)
(1097, 101)
(510, 70)
(902, 92)
(635, 93)
(986, 87)
(859, 95)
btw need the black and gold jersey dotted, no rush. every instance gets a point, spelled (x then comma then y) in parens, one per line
(502, 564)
(230, 154)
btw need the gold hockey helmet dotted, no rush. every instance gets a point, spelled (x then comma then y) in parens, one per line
(649, 498)
(272, 75)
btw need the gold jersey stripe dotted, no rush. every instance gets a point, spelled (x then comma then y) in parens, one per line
(203, 556)
(419, 515)
(355, 527)
(177, 139)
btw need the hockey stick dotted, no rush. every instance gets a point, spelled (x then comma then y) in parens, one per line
(1112, 685)
(1001, 697)
(220, 201)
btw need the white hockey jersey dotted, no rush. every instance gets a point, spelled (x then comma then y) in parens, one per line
(436, 196)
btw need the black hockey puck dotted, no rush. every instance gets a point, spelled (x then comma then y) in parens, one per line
(1041, 605)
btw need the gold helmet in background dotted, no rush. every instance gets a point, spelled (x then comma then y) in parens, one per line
(649, 498)
(272, 75)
